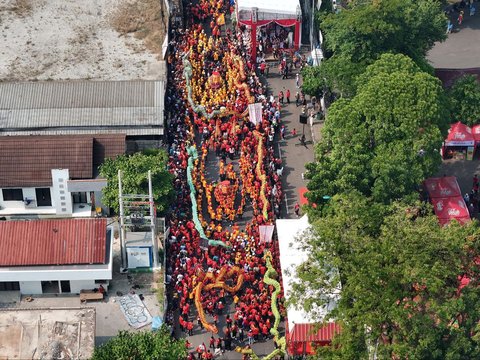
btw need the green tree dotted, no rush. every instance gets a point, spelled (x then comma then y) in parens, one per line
(464, 99)
(157, 345)
(366, 30)
(135, 177)
(399, 275)
(385, 140)
(358, 35)
(335, 74)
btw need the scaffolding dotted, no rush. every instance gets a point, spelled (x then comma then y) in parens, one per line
(137, 211)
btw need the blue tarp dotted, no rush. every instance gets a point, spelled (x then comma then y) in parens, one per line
(157, 322)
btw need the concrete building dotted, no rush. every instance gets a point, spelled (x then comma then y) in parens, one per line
(55, 175)
(55, 255)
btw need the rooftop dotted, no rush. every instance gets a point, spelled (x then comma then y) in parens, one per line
(28, 160)
(87, 39)
(73, 107)
(53, 242)
(67, 333)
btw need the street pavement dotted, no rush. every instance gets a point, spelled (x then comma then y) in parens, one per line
(293, 154)
(461, 50)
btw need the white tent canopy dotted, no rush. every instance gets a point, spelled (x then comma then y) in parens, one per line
(280, 7)
(291, 256)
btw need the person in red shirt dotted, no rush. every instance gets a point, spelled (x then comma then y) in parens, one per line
(212, 342)
(287, 95)
(190, 328)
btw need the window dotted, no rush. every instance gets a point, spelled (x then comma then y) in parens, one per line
(10, 286)
(43, 197)
(12, 194)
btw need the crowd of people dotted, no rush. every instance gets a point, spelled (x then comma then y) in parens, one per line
(247, 168)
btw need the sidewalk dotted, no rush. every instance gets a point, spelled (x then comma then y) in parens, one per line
(293, 154)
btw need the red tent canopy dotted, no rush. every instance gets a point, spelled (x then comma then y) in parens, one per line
(442, 187)
(303, 337)
(450, 208)
(459, 135)
(476, 132)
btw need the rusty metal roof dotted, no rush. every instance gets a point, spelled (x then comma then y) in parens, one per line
(28, 160)
(53, 242)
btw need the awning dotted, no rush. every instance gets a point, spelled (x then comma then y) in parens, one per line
(459, 135)
(306, 332)
(442, 187)
(303, 338)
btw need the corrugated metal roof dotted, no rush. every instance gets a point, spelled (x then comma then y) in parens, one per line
(53, 242)
(79, 94)
(306, 333)
(28, 161)
(129, 131)
(57, 104)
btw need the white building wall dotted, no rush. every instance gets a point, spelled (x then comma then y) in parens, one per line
(61, 198)
(31, 287)
(77, 285)
(20, 207)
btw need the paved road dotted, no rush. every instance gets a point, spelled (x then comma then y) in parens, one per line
(294, 155)
(461, 50)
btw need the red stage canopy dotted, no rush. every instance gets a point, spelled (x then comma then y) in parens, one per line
(442, 187)
(303, 337)
(459, 135)
(450, 208)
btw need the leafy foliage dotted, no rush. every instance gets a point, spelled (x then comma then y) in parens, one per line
(465, 100)
(336, 73)
(158, 345)
(358, 35)
(135, 177)
(399, 274)
(384, 140)
(365, 31)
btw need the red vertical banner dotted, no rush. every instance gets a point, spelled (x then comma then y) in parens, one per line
(296, 40)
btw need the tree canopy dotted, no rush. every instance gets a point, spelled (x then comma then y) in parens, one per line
(400, 275)
(357, 36)
(368, 29)
(158, 345)
(464, 99)
(135, 177)
(385, 140)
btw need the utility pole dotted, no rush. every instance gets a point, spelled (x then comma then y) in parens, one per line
(123, 249)
(153, 224)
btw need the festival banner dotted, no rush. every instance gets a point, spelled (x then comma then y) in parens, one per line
(255, 113)
(266, 233)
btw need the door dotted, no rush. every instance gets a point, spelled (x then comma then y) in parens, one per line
(43, 197)
(79, 197)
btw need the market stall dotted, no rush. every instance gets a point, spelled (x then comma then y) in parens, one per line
(460, 142)
(280, 20)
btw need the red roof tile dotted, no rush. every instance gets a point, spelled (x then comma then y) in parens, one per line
(53, 242)
(307, 333)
